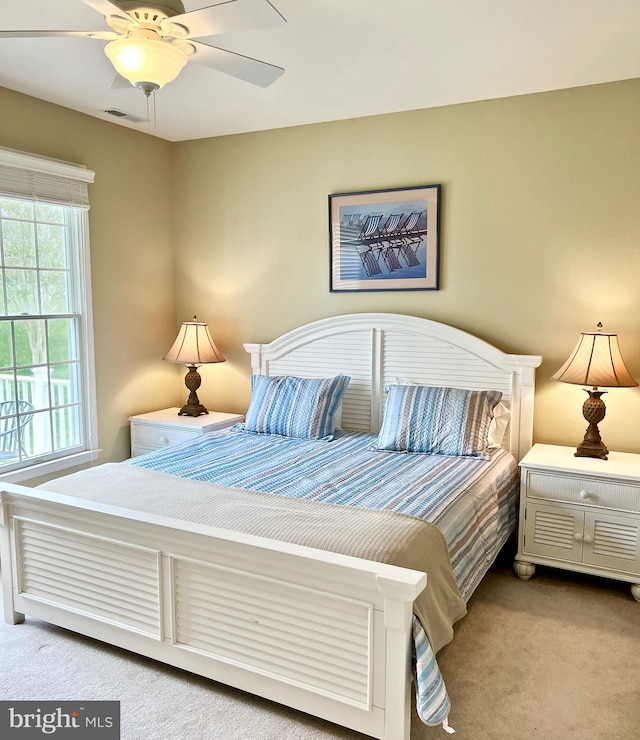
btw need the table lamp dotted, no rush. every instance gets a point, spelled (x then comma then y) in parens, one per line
(193, 347)
(595, 361)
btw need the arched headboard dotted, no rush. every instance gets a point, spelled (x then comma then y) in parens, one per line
(377, 349)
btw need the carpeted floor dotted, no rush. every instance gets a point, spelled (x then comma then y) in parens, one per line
(556, 657)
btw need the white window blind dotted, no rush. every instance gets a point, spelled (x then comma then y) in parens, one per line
(44, 180)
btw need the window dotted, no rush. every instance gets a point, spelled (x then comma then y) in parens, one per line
(47, 389)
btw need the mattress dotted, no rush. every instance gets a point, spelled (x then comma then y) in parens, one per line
(471, 500)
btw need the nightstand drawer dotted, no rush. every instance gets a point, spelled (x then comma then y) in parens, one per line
(583, 490)
(148, 435)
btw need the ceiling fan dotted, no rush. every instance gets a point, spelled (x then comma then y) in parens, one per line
(151, 41)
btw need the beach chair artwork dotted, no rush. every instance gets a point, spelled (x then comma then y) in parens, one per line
(384, 240)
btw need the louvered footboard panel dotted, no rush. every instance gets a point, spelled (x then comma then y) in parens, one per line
(307, 638)
(101, 577)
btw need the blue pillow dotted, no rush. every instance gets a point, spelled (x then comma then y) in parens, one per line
(437, 421)
(295, 407)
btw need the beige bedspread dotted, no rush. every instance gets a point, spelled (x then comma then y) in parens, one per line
(383, 536)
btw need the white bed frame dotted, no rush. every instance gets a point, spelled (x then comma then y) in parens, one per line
(324, 633)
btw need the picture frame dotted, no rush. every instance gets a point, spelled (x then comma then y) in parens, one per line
(385, 239)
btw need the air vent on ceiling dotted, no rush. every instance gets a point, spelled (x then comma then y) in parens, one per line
(126, 116)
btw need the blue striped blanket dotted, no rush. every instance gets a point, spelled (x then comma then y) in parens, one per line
(472, 501)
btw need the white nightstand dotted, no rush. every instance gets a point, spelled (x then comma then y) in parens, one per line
(159, 429)
(580, 513)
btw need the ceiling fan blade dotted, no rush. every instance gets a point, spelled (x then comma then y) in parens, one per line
(106, 35)
(104, 7)
(228, 16)
(236, 65)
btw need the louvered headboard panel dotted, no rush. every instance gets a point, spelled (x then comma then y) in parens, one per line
(377, 349)
(429, 361)
(346, 352)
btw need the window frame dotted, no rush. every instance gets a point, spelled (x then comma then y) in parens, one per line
(42, 180)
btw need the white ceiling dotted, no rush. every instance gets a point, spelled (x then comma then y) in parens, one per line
(343, 59)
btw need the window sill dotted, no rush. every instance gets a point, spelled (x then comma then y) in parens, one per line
(51, 466)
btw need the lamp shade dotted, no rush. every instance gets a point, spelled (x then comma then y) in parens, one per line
(596, 361)
(194, 345)
(146, 61)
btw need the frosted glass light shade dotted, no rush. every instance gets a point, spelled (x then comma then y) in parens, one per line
(596, 361)
(142, 60)
(194, 345)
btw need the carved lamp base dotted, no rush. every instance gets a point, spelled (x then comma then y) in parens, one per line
(190, 409)
(594, 412)
(193, 407)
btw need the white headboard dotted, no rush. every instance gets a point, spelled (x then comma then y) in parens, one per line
(376, 348)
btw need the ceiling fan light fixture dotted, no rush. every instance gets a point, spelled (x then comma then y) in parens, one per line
(146, 62)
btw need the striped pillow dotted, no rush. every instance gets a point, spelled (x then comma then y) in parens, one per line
(437, 421)
(295, 407)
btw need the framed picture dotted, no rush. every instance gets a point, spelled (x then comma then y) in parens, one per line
(385, 239)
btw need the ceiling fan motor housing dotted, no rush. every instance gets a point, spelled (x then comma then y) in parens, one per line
(147, 10)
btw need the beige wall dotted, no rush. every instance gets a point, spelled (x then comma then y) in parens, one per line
(540, 233)
(131, 253)
(540, 238)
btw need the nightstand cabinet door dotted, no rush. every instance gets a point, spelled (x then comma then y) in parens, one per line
(612, 541)
(554, 532)
(580, 536)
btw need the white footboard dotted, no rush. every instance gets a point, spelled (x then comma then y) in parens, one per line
(324, 633)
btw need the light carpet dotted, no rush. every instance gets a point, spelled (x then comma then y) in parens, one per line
(555, 657)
